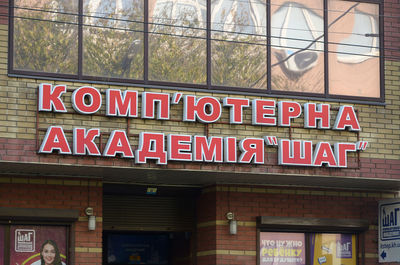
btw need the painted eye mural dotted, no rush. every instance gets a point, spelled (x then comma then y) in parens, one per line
(297, 35)
(353, 50)
(297, 46)
(363, 43)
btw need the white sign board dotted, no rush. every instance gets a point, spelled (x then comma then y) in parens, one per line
(389, 230)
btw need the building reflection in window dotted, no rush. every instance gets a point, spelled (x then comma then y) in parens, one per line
(46, 36)
(113, 38)
(354, 49)
(239, 43)
(177, 41)
(297, 45)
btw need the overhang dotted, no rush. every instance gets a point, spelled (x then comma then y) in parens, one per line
(194, 178)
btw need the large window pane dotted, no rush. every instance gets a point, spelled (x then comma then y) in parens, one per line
(297, 46)
(354, 49)
(113, 38)
(177, 44)
(239, 43)
(46, 36)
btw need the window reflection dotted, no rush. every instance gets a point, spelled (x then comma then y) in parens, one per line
(297, 46)
(113, 38)
(177, 41)
(46, 36)
(354, 49)
(238, 45)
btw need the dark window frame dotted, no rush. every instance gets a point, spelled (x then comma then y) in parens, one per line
(145, 82)
(314, 225)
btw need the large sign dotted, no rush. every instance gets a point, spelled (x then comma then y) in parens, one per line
(389, 230)
(197, 148)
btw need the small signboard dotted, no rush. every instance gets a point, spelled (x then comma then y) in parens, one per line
(282, 248)
(389, 230)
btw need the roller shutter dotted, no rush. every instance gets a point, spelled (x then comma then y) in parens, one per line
(148, 213)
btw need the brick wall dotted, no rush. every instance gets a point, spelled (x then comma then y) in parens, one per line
(20, 139)
(48, 193)
(217, 246)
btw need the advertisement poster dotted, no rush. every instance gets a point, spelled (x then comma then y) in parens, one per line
(1, 245)
(282, 248)
(333, 249)
(138, 249)
(38, 245)
(389, 230)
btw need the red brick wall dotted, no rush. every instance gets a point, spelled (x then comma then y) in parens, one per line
(392, 29)
(19, 150)
(61, 194)
(249, 202)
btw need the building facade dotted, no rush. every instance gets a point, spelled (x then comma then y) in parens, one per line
(199, 132)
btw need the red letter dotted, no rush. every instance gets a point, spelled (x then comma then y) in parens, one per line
(178, 145)
(262, 109)
(252, 148)
(49, 98)
(236, 108)
(341, 150)
(151, 145)
(312, 115)
(150, 100)
(286, 111)
(55, 140)
(84, 142)
(293, 152)
(78, 100)
(346, 118)
(118, 143)
(230, 150)
(206, 109)
(208, 151)
(118, 104)
(323, 154)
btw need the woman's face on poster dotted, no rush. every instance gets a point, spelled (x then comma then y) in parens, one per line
(49, 254)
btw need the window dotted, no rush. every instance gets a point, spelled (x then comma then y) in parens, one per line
(280, 248)
(322, 49)
(309, 241)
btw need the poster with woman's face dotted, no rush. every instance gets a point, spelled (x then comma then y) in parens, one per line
(38, 245)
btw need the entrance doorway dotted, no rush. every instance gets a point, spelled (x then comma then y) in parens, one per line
(148, 225)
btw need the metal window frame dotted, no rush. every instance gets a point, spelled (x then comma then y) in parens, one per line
(145, 82)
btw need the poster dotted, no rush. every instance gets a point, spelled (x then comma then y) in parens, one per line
(1, 245)
(282, 248)
(333, 249)
(38, 245)
(137, 248)
(389, 230)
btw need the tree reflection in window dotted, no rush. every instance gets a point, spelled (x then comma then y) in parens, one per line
(297, 46)
(238, 43)
(177, 41)
(46, 36)
(113, 38)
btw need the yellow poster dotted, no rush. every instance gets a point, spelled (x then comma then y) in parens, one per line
(333, 249)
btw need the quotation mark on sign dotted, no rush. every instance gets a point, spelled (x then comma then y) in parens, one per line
(362, 145)
(176, 98)
(271, 140)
